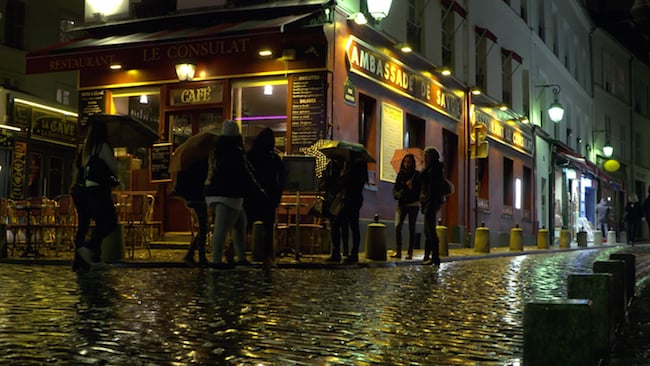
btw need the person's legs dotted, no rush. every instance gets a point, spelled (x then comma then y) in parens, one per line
(102, 209)
(224, 219)
(335, 236)
(429, 232)
(269, 224)
(353, 220)
(412, 216)
(83, 216)
(345, 229)
(400, 215)
(239, 235)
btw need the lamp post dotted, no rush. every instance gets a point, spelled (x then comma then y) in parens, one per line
(555, 110)
(379, 9)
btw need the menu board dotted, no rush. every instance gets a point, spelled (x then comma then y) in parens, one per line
(90, 102)
(308, 113)
(159, 167)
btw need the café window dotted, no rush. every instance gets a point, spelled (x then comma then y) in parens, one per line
(368, 131)
(414, 134)
(508, 181)
(258, 104)
(35, 184)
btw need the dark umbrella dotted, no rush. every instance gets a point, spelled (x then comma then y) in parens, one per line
(125, 131)
(343, 148)
(195, 148)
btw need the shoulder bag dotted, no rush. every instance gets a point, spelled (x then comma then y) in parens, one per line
(98, 171)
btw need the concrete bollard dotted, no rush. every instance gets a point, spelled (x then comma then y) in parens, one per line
(258, 241)
(617, 269)
(598, 237)
(376, 240)
(630, 272)
(622, 237)
(558, 332)
(482, 239)
(542, 238)
(611, 237)
(582, 239)
(443, 245)
(565, 238)
(597, 287)
(113, 245)
(516, 239)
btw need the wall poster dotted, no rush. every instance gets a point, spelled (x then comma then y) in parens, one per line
(392, 138)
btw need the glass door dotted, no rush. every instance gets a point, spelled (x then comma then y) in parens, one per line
(184, 124)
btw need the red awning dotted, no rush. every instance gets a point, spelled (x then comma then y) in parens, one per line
(510, 53)
(136, 48)
(455, 6)
(484, 32)
(565, 154)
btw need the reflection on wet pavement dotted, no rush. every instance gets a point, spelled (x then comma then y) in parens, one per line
(464, 312)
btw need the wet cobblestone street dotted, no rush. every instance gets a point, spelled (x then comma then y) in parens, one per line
(463, 313)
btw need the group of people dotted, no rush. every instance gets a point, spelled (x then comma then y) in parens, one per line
(246, 186)
(635, 211)
(419, 191)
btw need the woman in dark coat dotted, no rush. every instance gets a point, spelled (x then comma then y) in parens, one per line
(354, 178)
(269, 172)
(407, 193)
(431, 199)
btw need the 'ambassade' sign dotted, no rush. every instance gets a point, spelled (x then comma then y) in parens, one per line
(393, 74)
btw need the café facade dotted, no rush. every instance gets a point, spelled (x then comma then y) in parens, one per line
(309, 73)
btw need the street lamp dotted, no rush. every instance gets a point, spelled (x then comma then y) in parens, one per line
(555, 110)
(608, 149)
(379, 9)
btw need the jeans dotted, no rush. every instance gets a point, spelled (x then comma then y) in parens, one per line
(347, 221)
(228, 219)
(198, 242)
(102, 210)
(400, 215)
(431, 241)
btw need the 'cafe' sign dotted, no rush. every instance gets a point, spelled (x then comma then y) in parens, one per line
(372, 64)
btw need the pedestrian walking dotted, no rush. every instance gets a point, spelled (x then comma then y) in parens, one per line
(269, 173)
(602, 214)
(432, 197)
(100, 169)
(407, 193)
(332, 185)
(633, 217)
(190, 187)
(230, 179)
(77, 192)
(646, 209)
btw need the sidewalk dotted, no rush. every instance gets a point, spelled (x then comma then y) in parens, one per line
(173, 257)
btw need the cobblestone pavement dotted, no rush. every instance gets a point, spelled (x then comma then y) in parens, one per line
(465, 312)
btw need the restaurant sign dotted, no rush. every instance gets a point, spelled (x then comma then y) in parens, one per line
(49, 125)
(17, 181)
(371, 63)
(506, 133)
(196, 94)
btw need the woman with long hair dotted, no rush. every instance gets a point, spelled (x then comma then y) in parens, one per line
(431, 199)
(100, 206)
(407, 193)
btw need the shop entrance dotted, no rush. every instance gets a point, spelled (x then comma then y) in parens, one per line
(182, 125)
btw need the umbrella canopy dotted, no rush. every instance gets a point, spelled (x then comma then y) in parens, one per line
(321, 159)
(195, 148)
(343, 148)
(125, 131)
(398, 155)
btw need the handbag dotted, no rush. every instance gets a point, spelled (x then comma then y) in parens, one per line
(98, 171)
(316, 208)
(337, 204)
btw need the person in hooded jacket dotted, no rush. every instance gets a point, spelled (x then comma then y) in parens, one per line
(407, 193)
(431, 199)
(269, 172)
(230, 179)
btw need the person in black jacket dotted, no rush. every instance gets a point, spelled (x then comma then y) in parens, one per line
(269, 172)
(431, 199)
(230, 179)
(355, 177)
(407, 193)
(633, 217)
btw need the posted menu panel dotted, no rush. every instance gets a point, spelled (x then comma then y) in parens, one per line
(308, 113)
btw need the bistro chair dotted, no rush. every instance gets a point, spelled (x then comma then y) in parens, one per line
(66, 222)
(134, 218)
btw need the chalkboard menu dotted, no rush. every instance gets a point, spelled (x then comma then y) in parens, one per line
(91, 102)
(159, 167)
(308, 102)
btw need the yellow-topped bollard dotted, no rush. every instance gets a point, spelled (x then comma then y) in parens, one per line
(582, 238)
(482, 239)
(443, 246)
(565, 238)
(516, 239)
(542, 238)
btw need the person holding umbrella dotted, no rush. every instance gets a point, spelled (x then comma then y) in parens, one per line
(98, 156)
(431, 199)
(269, 172)
(230, 179)
(407, 193)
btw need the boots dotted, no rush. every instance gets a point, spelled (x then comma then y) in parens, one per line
(409, 254)
(398, 252)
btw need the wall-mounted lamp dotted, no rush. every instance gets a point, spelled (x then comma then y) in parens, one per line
(475, 90)
(404, 47)
(555, 110)
(144, 99)
(185, 72)
(115, 66)
(445, 70)
(608, 149)
(524, 120)
(379, 9)
(360, 18)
